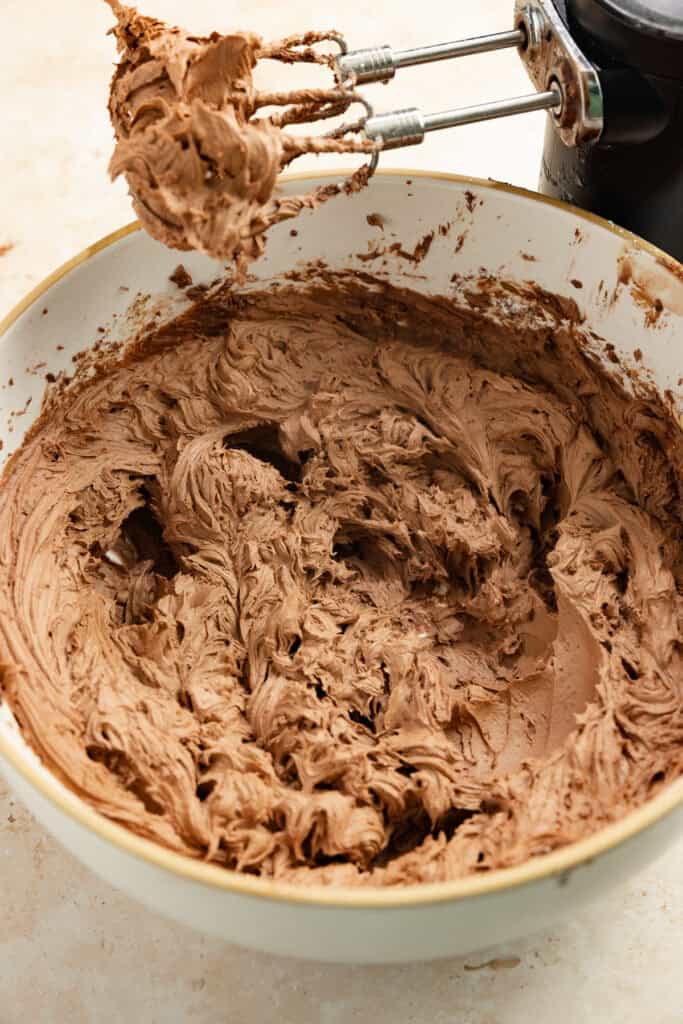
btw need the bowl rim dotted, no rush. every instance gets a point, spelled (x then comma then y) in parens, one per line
(543, 866)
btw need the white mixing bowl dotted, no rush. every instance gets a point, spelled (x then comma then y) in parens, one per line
(487, 227)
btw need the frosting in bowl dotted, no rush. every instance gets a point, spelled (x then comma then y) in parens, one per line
(348, 585)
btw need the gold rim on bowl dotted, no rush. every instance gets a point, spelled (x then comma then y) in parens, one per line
(543, 866)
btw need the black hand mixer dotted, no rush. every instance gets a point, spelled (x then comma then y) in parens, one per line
(610, 75)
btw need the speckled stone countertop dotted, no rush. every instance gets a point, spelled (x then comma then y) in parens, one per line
(72, 949)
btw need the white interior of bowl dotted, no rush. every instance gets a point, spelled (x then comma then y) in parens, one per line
(479, 228)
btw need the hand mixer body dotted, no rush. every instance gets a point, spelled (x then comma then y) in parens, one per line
(633, 174)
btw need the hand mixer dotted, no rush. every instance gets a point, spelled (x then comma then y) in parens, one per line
(610, 74)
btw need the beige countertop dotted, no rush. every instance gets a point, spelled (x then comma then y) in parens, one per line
(73, 951)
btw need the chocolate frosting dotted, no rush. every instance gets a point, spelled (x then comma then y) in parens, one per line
(350, 586)
(199, 153)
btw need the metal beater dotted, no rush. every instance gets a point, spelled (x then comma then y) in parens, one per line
(566, 83)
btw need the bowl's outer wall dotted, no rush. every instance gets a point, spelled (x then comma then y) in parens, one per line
(503, 232)
(353, 935)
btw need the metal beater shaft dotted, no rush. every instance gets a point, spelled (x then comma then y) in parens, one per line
(408, 127)
(380, 63)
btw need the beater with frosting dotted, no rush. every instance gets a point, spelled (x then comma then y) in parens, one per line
(200, 158)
